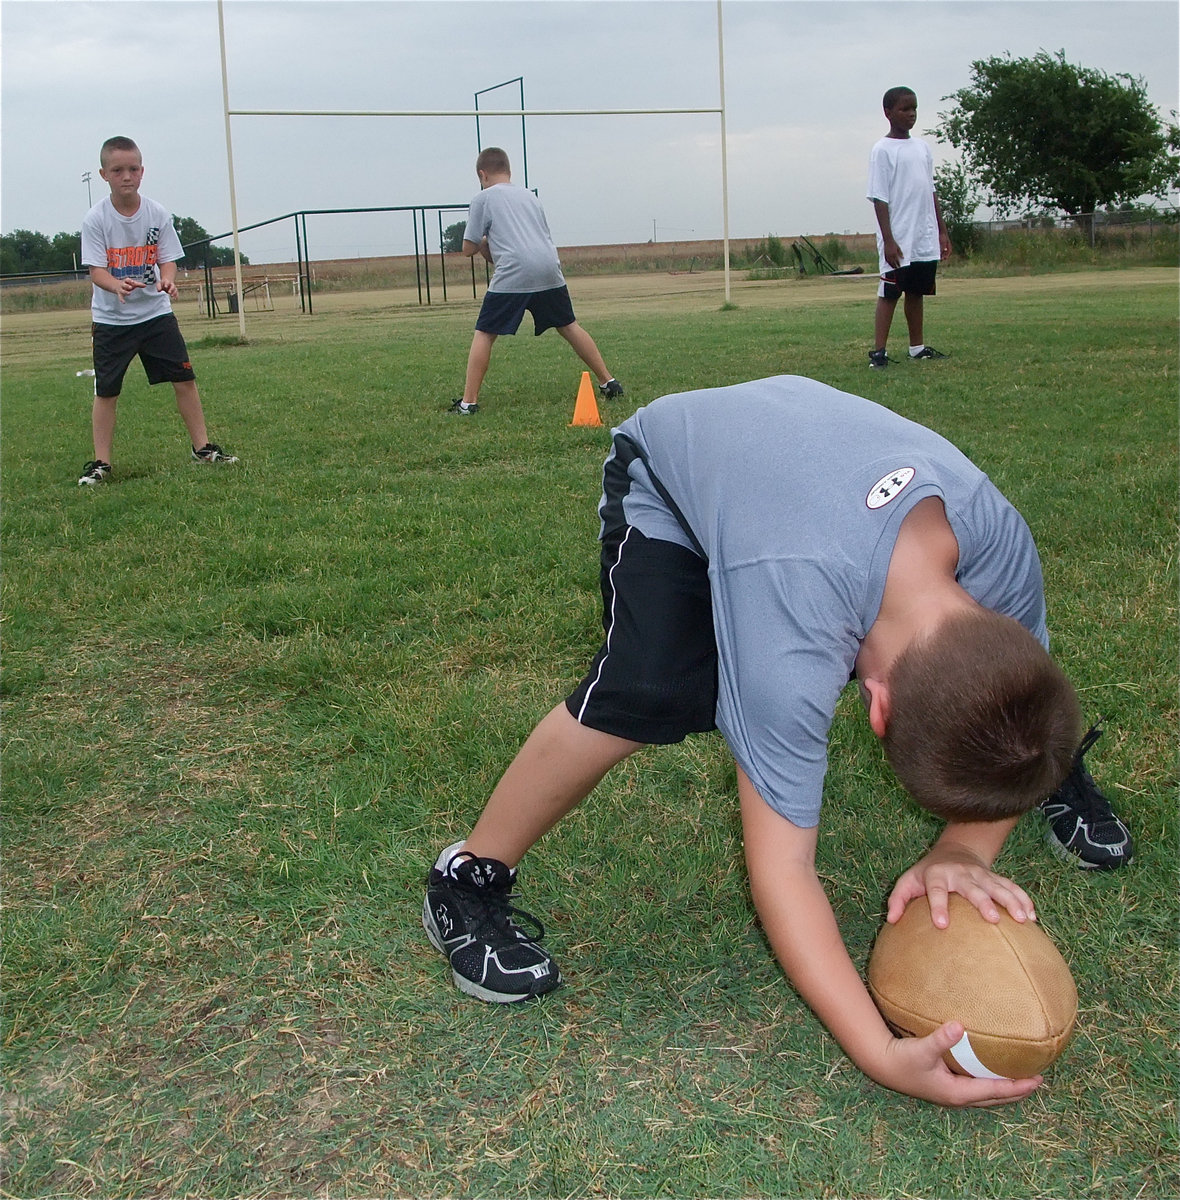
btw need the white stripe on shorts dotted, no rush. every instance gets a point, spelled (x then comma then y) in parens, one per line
(609, 629)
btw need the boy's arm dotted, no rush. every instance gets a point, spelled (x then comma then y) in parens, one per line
(471, 249)
(944, 240)
(802, 930)
(893, 253)
(122, 288)
(167, 281)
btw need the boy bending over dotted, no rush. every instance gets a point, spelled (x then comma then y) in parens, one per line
(755, 556)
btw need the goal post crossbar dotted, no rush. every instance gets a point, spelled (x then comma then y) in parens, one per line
(480, 112)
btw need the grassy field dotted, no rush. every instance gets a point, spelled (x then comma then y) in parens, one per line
(243, 708)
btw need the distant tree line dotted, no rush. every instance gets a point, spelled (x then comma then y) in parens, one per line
(24, 252)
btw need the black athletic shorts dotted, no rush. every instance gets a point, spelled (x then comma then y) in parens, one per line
(502, 312)
(915, 279)
(159, 344)
(655, 678)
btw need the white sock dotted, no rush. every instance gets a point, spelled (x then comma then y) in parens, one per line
(444, 860)
(916, 350)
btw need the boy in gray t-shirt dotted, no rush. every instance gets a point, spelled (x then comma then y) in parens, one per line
(761, 544)
(506, 225)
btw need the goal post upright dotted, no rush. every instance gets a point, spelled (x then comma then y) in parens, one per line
(229, 159)
(724, 164)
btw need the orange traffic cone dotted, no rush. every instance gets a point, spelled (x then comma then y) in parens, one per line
(586, 407)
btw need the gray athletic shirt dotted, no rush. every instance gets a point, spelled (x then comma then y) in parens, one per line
(513, 221)
(794, 492)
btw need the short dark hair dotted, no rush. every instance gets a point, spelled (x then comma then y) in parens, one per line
(115, 143)
(493, 161)
(894, 94)
(982, 724)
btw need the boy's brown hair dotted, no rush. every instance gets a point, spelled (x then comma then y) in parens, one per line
(983, 724)
(493, 161)
(115, 143)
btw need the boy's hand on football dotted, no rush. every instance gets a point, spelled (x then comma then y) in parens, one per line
(915, 1067)
(943, 871)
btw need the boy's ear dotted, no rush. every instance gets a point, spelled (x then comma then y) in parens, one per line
(877, 691)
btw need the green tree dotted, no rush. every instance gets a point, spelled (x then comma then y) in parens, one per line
(1040, 133)
(452, 241)
(958, 198)
(25, 251)
(66, 251)
(194, 237)
(1174, 146)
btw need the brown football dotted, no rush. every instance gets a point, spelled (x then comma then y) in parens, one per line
(1007, 984)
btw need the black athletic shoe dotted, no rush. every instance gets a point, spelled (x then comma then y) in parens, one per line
(94, 472)
(457, 409)
(611, 390)
(469, 918)
(209, 453)
(926, 352)
(879, 359)
(1083, 828)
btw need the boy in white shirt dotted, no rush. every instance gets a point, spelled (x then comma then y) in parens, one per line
(911, 236)
(131, 247)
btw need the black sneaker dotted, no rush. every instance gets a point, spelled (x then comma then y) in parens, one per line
(457, 409)
(94, 472)
(469, 918)
(1083, 828)
(926, 352)
(878, 358)
(611, 390)
(209, 453)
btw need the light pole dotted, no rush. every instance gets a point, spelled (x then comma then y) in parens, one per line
(86, 181)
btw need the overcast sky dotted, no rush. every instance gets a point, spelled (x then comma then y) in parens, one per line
(803, 84)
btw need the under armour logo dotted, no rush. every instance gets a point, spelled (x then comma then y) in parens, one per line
(888, 486)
